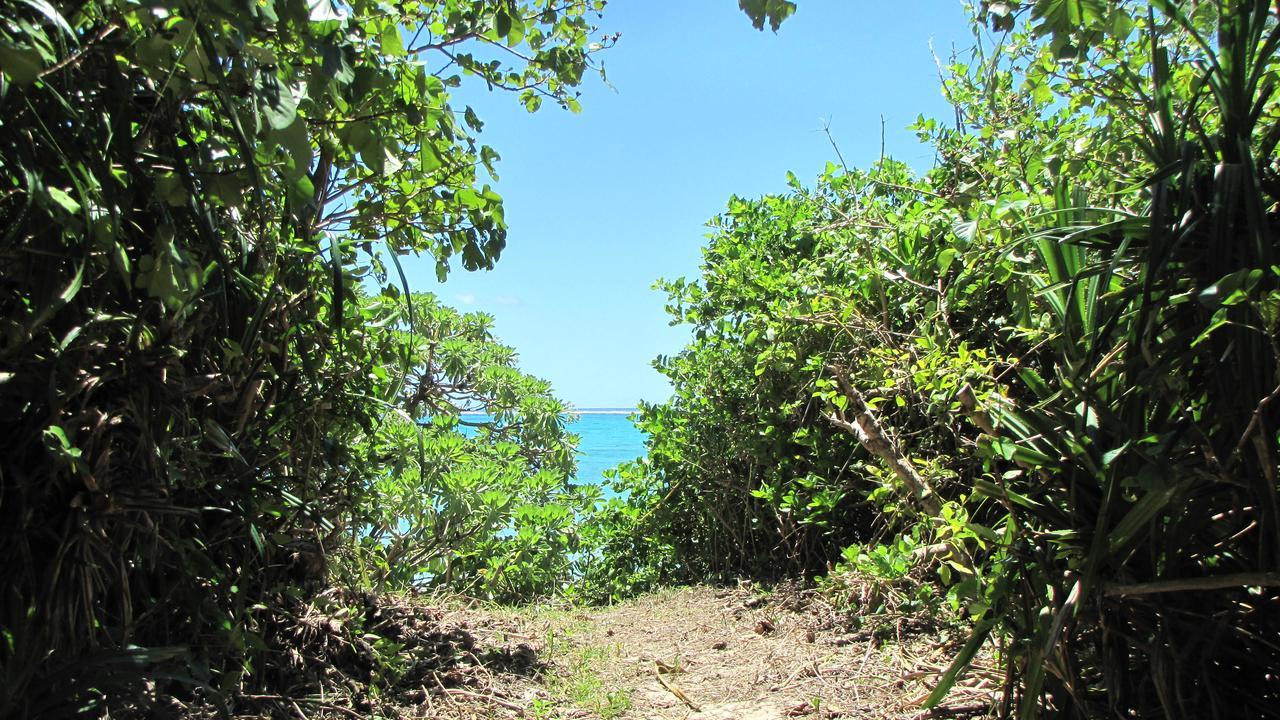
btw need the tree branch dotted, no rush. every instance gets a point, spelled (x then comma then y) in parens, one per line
(867, 430)
(1215, 582)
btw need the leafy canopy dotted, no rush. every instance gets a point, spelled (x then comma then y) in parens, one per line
(204, 329)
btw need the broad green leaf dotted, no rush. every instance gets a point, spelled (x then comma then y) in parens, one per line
(391, 42)
(276, 100)
(62, 199)
(21, 64)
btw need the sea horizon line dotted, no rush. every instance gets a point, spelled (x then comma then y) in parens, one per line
(574, 411)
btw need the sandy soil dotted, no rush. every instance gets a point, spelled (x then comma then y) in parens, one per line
(697, 653)
(726, 654)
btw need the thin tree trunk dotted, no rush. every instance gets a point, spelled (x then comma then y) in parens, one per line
(867, 430)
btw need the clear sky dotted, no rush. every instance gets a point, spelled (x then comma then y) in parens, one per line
(602, 204)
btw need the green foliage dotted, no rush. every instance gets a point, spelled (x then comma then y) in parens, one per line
(881, 585)
(204, 333)
(1067, 327)
(1144, 434)
(622, 555)
(744, 474)
(771, 11)
(583, 687)
(474, 494)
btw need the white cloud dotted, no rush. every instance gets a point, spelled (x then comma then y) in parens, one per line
(507, 300)
(466, 298)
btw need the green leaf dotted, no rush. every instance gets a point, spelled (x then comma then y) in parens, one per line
(358, 135)
(390, 41)
(773, 11)
(293, 139)
(169, 188)
(945, 258)
(1142, 512)
(56, 434)
(44, 8)
(21, 64)
(63, 200)
(428, 160)
(374, 156)
(517, 33)
(1231, 288)
(960, 663)
(502, 23)
(338, 304)
(334, 62)
(275, 100)
(965, 232)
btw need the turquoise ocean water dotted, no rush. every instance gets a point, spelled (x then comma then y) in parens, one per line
(607, 438)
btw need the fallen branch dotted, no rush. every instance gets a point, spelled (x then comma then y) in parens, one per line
(657, 672)
(488, 698)
(309, 701)
(79, 54)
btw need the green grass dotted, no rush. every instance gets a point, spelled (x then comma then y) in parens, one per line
(582, 687)
(576, 680)
(575, 676)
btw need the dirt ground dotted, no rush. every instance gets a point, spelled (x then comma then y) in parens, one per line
(717, 654)
(698, 653)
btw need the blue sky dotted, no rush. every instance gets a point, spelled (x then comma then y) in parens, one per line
(603, 203)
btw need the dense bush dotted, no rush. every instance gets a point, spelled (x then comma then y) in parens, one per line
(471, 483)
(204, 336)
(1054, 352)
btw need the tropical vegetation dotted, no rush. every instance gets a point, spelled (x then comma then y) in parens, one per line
(216, 382)
(1047, 364)
(1042, 372)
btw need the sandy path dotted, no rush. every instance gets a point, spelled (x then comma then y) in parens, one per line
(714, 654)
